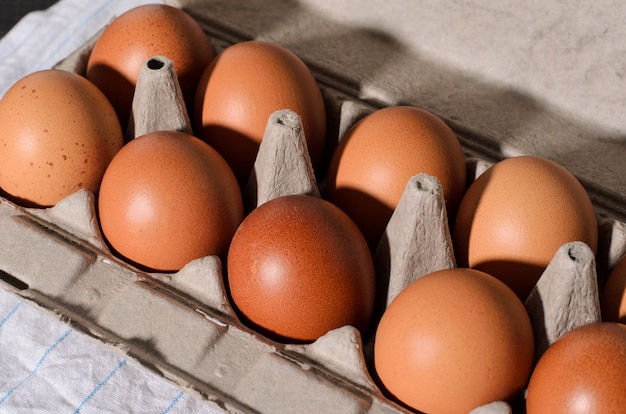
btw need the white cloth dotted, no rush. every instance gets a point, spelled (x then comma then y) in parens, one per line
(46, 366)
(43, 38)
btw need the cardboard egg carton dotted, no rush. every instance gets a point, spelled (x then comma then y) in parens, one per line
(182, 325)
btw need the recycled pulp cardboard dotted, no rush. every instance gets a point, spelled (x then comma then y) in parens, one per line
(183, 327)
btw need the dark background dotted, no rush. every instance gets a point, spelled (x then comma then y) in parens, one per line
(11, 11)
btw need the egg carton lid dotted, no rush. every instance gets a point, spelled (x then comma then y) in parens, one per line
(510, 80)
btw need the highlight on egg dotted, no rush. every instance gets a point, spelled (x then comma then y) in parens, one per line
(582, 372)
(57, 135)
(452, 341)
(380, 153)
(168, 198)
(298, 267)
(515, 216)
(242, 87)
(139, 34)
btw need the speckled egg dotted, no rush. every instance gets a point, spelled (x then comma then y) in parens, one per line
(379, 154)
(299, 267)
(139, 34)
(515, 216)
(582, 372)
(168, 198)
(452, 341)
(58, 133)
(239, 91)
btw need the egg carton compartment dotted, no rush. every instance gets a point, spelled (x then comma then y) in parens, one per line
(59, 260)
(183, 326)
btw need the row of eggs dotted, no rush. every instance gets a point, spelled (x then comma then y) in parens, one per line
(62, 132)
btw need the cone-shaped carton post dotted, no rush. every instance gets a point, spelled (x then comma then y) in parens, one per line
(566, 295)
(158, 103)
(417, 238)
(283, 165)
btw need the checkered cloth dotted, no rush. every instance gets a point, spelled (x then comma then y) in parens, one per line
(46, 366)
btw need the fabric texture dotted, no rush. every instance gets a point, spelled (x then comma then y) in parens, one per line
(48, 367)
(43, 38)
(14, 10)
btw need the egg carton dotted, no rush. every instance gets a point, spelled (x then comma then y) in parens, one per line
(182, 325)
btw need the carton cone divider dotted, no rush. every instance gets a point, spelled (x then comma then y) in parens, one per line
(158, 103)
(283, 165)
(565, 297)
(417, 238)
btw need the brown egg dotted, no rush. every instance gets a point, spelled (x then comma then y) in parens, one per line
(168, 198)
(379, 154)
(452, 341)
(239, 91)
(582, 372)
(139, 34)
(613, 298)
(299, 267)
(516, 215)
(58, 133)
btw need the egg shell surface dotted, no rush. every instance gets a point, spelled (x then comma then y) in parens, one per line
(582, 372)
(239, 91)
(376, 158)
(613, 300)
(58, 133)
(515, 216)
(299, 267)
(452, 341)
(168, 198)
(139, 34)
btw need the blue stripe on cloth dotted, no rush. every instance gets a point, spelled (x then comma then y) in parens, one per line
(6, 318)
(173, 403)
(99, 386)
(93, 14)
(37, 366)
